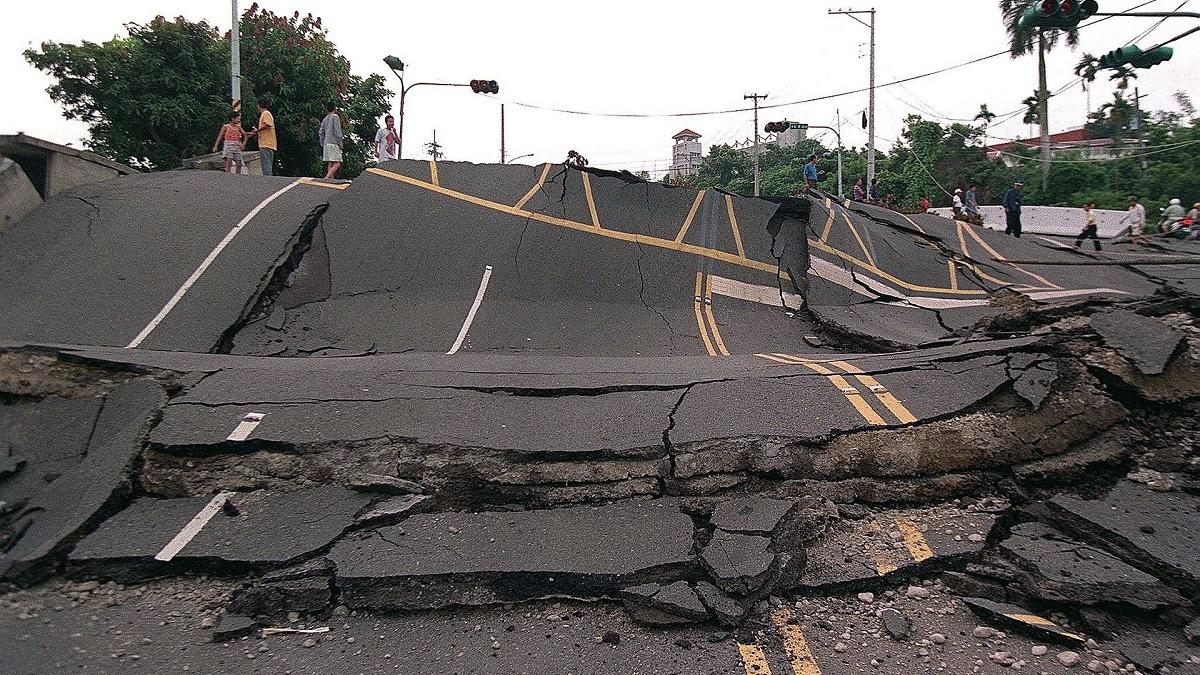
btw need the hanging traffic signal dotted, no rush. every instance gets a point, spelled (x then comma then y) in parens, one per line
(1121, 56)
(775, 127)
(1153, 57)
(485, 87)
(1064, 14)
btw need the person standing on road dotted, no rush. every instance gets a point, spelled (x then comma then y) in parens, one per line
(1137, 220)
(957, 204)
(331, 141)
(859, 195)
(971, 205)
(924, 204)
(1012, 209)
(234, 139)
(810, 173)
(1090, 231)
(386, 140)
(267, 143)
(873, 192)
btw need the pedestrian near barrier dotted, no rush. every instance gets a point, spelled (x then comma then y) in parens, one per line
(332, 141)
(957, 204)
(234, 139)
(1012, 209)
(1090, 231)
(1137, 221)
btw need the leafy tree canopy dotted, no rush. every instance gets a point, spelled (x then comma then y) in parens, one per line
(160, 94)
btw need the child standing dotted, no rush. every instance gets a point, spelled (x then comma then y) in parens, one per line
(1089, 227)
(234, 141)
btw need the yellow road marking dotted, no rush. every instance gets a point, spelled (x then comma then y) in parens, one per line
(318, 183)
(962, 243)
(822, 246)
(849, 391)
(828, 219)
(914, 540)
(587, 191)
(885, 562)
(712, 320)
(1000, 258)
(858, 238)
(534, 190)
(953, 274)
(737, 234)
(885, 397)
(799, 654)
(754, 660)
(690, 216)
(700, 317)
(846, 203)
(770, 268)
(433, 177)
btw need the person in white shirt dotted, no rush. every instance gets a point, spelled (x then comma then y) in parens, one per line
(958, 204)
(386, 140)
(1137, 221)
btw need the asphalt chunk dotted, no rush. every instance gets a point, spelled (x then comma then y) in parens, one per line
(1146, 341)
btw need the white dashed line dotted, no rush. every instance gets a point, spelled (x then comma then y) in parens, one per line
(462, 334)
(162, 313)
(193, 527)
(242, 431)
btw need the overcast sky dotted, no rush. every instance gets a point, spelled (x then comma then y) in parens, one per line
(645, 56)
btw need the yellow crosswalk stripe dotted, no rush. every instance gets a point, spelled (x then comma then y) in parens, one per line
(754, 660)
(534, 190)
(687, 223)
(798, 652)
(591, 201)
(433, 175)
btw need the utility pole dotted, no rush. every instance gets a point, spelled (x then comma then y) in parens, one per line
(235, 61)
(435, 149)
(756, 171)
(1137, 124)
(852, 13)
(838, 112)
(502, 134)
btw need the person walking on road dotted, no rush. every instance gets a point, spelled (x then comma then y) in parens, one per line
(1137, 221)
(387, 140)
(1012, 209)
(234, 140)
(332, 141)
(957, 204)
(971, 206)
(267, 143)
(810, 173)
(1090, 231)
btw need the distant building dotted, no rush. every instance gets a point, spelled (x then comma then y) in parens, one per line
(686, 154)
(1072, 140)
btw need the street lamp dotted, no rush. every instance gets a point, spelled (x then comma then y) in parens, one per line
(397, 67)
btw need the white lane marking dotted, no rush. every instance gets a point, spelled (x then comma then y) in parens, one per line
(243, 430)
(162, 313)
(193, 527)
(763, 295)
(856, 283)
(462, 334)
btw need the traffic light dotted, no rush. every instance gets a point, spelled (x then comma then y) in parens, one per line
(776, 127)
(485, 87)
(1121, 56)
(1057, 14)
(1153, 57)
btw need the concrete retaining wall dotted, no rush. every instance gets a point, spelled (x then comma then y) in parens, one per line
(18, 196)
(1061, 220)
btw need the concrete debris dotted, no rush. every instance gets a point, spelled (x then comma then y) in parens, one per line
(233, 626)
(896, 624)
(739, 564)
(726, 610)
(388, 485)
(1021, 619)
(677, 600)
(1147, 342)
(391, 510)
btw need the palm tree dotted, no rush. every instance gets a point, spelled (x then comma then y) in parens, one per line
(1022, 42)
(1086, 70)
(1033, 108)
(1122, 75)
(986, 116)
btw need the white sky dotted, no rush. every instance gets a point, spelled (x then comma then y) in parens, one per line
(646, 56)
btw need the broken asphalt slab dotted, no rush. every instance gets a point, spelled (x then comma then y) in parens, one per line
(1018, 618)
(1154, 531)
(50, 515)
(1146, 341)
(270, 529)
(439, 559)
(1052, 568)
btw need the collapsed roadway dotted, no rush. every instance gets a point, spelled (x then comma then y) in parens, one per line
(544, 419)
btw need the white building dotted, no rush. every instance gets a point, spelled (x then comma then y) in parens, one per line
(686, 154)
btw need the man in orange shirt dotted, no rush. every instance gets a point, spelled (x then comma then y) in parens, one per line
(267, 144)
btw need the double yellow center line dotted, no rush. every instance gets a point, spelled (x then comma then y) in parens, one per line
(851, 392)
(704, 313)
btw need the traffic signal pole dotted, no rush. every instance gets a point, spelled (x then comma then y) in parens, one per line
(756, 171)
(397, 68)
(235, 61)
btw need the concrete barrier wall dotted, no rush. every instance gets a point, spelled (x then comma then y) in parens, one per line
(17, 195)
(1061, 220)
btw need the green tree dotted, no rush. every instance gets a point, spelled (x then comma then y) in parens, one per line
(1022, 42)
(159, 94)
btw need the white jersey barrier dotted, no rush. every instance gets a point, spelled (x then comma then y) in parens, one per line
(1062, 220)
